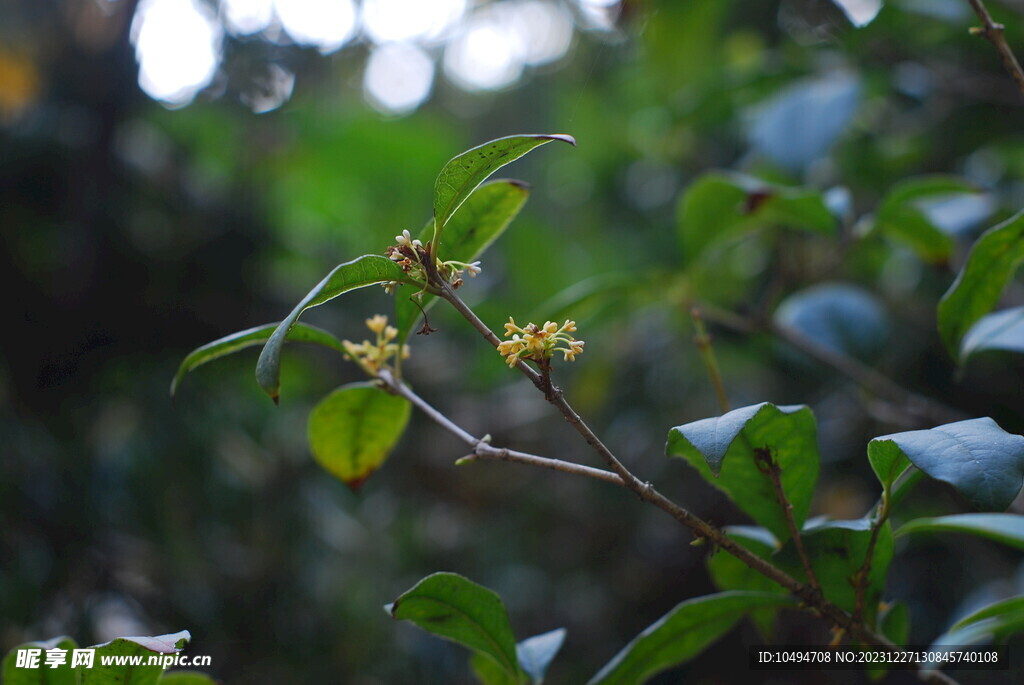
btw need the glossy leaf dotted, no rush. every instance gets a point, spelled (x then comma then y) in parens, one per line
(358, 273)
(536, 653)
(995, 622)
(977, 457)
(722, 451)
(800, 123)
(457, 609)
(42, 674)
(837, 550)
(839, 316)
(462, 174)
(977, 288)
(1005, 528)
(999, 331)
(488, 672)
(133, 646)
(353, 430)
(480, 221)
(682, 634)
(894, 623)
(902, 216)
(718, 206)
(230, 344)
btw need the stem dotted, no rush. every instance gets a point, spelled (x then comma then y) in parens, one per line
(994, 33)
(707, 352)
(767, 465)
(917, 406)
(647, 493)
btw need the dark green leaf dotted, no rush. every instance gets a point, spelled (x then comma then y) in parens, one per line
(999, 331)
(1005, 528)
(358, 273)
(976, 290)
(718, 206)
(839, 316)
(536, 653)
(722, 451)
(480, 221)
(837, 550)
(352, 430)
(729, 573)
(460, 176)
(42, 674)
(901, 216)
(681, 634)
(894, 622)
(459, 610)
(300, 332)
(976, 456)
(995, 622)
(144, 647)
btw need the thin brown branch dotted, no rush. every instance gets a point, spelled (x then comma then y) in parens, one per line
(860, 580)
(647, 493)
(769, 466)
(995, 34)
(703, 342)
(919, 407)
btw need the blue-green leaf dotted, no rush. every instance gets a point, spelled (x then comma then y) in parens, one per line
(995, 622)
(976, 456)
(536, 653)
(241, 340)
(839, 316)
(999, 331)
(903, 217)
(114, 674)
(722, 451)
(1005, 528)
(682, 634)
(358, 273)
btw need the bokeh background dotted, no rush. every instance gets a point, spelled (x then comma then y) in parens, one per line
(172, 171)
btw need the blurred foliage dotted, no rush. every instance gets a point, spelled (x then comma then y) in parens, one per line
(132, 233)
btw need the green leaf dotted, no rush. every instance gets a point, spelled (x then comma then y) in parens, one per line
(887, 460)
(681, 634)
(718, 206)
(42, 674)
(729, 573)
(1005, 528)
(536, 653)
(352, 430)
(490, 673)
(837, 550)
(977, 288)
(995, 622)
(460, 176)
(358, 273)
(901, 218)
(230, 344)
(480, 221)
(839, 316)
(977, 457)
(894, 623)
(145, 647)
(457, 609)
(722, 451)
(186, 678)
(999, 331)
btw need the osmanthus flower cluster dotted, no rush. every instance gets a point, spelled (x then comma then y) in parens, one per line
(409, 254)
(373, 356)
(539, 343)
